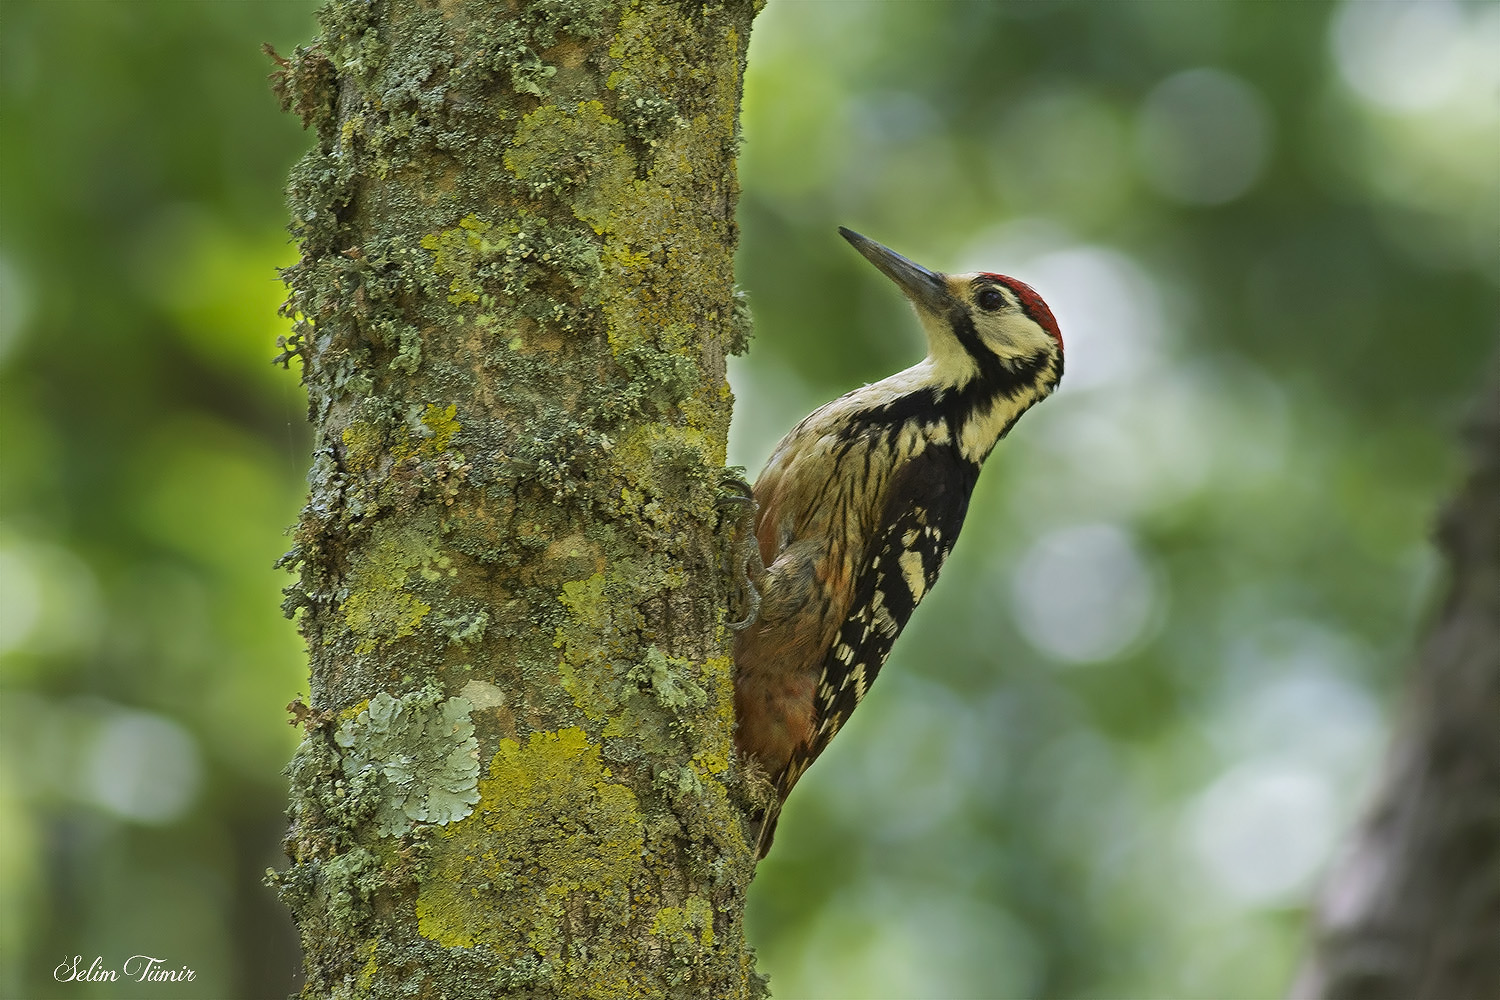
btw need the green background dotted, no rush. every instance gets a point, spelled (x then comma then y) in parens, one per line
(1121, 740)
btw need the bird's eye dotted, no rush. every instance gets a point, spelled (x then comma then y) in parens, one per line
(990, 299)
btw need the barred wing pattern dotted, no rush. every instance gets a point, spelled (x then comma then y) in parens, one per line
(925, 508)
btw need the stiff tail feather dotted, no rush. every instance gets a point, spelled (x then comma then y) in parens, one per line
(767, 830)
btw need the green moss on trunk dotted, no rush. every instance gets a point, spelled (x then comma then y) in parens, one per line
(512, 310)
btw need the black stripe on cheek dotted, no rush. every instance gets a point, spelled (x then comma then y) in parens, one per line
(961, 322)
(1028, 370)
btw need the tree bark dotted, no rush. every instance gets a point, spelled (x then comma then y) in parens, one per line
(512, 311)
(1413, 909)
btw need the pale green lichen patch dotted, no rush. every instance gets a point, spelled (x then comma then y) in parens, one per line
(346, 881)
(483, 695)
(553, 836)
(418, 753)
(671, 679)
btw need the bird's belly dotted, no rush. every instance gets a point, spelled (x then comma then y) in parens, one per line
(775, 717)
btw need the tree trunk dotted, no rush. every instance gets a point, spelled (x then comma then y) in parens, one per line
(1413, 910)
(512, 311)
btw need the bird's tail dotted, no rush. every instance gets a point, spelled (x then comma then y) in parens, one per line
(767, 829)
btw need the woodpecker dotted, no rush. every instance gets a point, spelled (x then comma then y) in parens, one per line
(860, 504)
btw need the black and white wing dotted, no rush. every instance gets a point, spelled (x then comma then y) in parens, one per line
(924, 510)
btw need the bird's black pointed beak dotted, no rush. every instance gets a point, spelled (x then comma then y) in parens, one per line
(925, 288)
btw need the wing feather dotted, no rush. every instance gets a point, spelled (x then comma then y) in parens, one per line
(924, 510)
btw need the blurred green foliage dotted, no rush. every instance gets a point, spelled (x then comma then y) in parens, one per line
(152, 459)
(1117, 744)
(1121, 739)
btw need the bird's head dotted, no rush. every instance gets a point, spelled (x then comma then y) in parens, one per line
(979, 326)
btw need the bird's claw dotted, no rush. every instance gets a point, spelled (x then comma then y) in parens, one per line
(743, 551)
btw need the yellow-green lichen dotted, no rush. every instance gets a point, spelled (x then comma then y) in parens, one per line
(363, 446)
(580, 155)
(592, 642)
(570, 151)
(584, 598)
(553, 838)
(432, 435)
(351, 128)
(443, 424)
(659, 462)
(582, 647)
(716, 742)
(379, 609)
(458, 251)
(688, 928)
(497, 264)
(367, 974)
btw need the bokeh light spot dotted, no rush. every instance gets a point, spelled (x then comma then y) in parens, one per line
(1263, 830)
(1084, 594)
(1203, 137)
(892, 940)
(1400, 54)
(143, 767)
(49, 599)
(903, 789)
(20, 596)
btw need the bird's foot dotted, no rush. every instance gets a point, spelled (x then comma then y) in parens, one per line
(741, 554)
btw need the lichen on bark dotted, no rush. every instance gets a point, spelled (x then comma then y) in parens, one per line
(511, 312)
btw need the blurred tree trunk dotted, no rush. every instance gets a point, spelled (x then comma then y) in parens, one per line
(512, 312)
(1413, 909)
